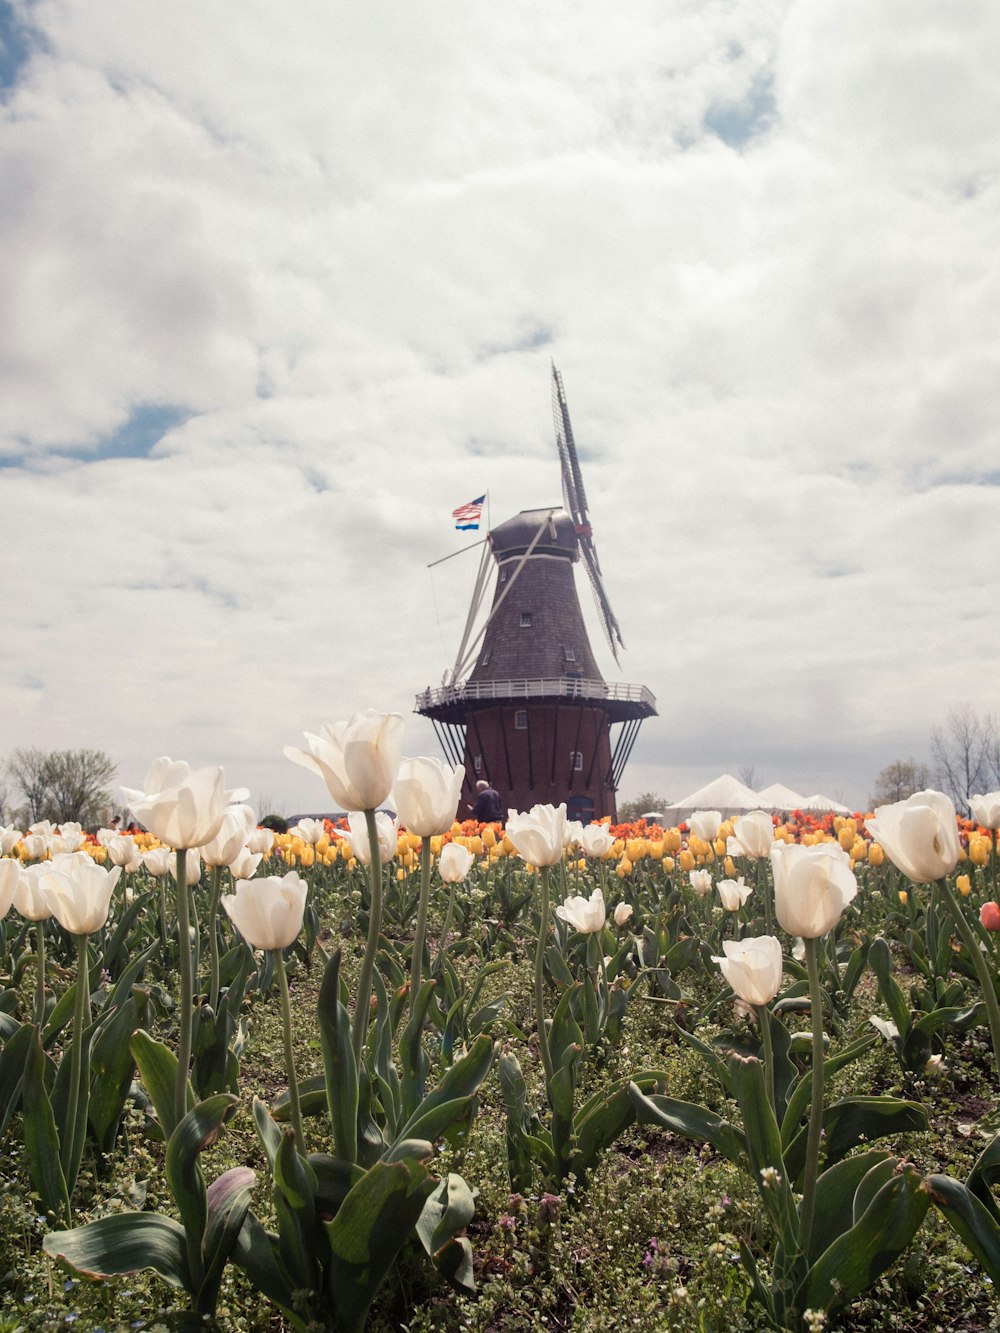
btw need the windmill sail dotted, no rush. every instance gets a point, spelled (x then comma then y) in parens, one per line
(575, 500)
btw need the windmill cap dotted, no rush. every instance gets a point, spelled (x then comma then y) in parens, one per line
(513, 538)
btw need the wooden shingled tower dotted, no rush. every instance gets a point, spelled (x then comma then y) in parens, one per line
(534, 716)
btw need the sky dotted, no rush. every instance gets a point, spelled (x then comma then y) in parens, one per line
(282, 287)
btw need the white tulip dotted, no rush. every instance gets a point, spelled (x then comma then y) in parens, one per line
(537, 834)
(623, 914)
(78, 891)
(28, 898)
(357, 759)
(753, 835)
(705, 824)
(986, 809)
(734, 893)
(261, 840)
(700, 881)
(425, 794)
(454, 862)
(10, 875)
(309, 830)
(268, 911)
(158, 860)
(753, 967)
(9, 838)
(182, 806)
(586, 915)
(812, 886)
(356, 834)
(229, 841)
(597, 840)
(919, 835)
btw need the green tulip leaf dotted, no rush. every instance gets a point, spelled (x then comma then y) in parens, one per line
(41, 1138)
(228, 1203)
(335, 1178)
(446, 1213)
(973, 1015)
(12, 1061)
(198, 1130)
(158, 1069)
(881, 964)
(848, 1122)
(111, 1071)
(312, 1099)
(339, 1063)
(763, 1140)
(373, 1224)
(861, 1254)
(124, 1243)
(255, 1252)
(984, 1175)
(835, 1193)
(691, 1121)
(460, 1081)
(412, 1056)
(798, 1101)
(970, 1219)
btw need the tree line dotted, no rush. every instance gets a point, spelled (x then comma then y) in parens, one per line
(59, 785)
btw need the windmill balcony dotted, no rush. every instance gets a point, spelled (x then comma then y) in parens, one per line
(621, 701)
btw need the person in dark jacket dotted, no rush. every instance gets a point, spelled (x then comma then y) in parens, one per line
(488, 807)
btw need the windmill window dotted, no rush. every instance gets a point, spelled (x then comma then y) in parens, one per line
(526, 620)
(569, 655)
(576, 760)
(485, 659)
(503, 576)
(477, 763)
(521, 719)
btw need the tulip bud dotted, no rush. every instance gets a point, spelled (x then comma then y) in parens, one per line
(989, 915)
(623, 912)
(964, 885)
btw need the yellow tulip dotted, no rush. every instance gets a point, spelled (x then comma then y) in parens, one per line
(979, 851)
(656, 850)
(489, 837)
(686, 860)
(904, 897)
(846, 836)
(730, 869)
(623, 868)
(859, 850)
(672, 840)
(876, 855)
(668, 864)
(964, 885)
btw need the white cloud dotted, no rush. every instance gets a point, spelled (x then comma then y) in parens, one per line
(344, 246)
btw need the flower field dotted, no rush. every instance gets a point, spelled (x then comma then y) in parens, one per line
(411, 1073)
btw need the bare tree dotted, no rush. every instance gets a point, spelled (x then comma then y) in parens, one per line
(748, 775)
(899, 780)
(963, 751)
(62, 785)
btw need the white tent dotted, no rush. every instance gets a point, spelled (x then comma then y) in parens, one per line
(824, 803)
(726, 794)
(780, 797)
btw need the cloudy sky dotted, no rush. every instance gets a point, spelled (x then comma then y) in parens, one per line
(281, 288)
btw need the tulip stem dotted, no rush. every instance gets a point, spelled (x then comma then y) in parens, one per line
(449, 913)
(764, 1019)
(419, 934)
(185, 1014)
(362, 1002)
(40, 979)
(811, 1168)
(213, 939)
(294, 1106)
(983, 973)
(543, 931)
(76, 1117)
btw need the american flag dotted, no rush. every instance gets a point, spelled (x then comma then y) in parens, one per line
(467, 516)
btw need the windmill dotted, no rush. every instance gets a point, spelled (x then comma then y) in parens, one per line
(533, 715)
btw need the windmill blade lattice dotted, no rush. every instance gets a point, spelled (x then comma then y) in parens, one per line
(575, 501)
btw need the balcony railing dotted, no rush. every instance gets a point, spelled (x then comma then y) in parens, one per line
(556, 687)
